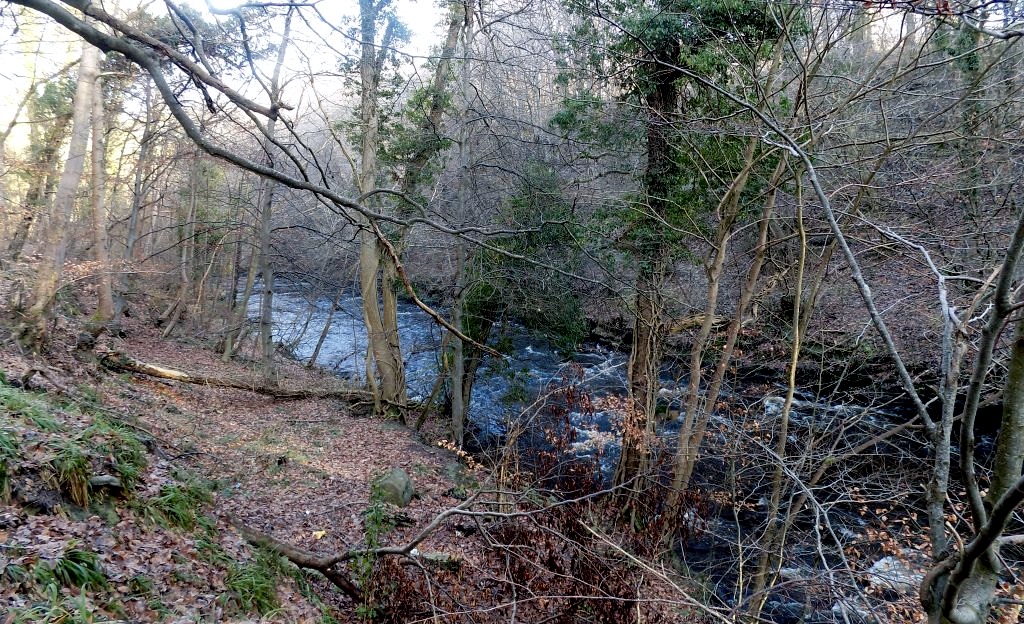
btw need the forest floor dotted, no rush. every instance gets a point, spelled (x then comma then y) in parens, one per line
(299, 470)
(130, 498)
(122, 496)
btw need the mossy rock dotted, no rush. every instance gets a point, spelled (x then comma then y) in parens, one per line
(395, 488)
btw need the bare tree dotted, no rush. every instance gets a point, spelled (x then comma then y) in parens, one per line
(34, 324)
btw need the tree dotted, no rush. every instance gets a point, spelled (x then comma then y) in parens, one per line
(50, 112)
(34, 324)
(105, 304)
(380, 303)
(646, 45)
(266, 208)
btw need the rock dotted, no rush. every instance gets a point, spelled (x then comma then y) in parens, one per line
(110, 481)
(443, 561)
(794, 574)
(396, 488)
(783, 612)
(847, 611)
(773, 406)
(892, 574)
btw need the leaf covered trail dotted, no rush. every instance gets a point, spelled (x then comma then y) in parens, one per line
(299, 470)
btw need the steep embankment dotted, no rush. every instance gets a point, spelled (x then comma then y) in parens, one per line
(98, 525)
(120, 492)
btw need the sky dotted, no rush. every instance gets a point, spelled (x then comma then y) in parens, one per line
(421, 17)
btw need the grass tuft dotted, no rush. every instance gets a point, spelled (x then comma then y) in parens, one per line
(70, 471)
(76, 569)
(8, 453)
(27, 405)
(177, 506)
(117, 442)
(252, 586)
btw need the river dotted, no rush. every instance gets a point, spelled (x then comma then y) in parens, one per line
(505, 391)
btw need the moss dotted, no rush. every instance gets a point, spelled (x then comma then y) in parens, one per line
(140, 585)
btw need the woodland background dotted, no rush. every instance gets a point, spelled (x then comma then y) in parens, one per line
(773, 209)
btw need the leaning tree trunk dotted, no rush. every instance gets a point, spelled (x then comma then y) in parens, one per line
(691, 434)
(33, 330)
(5, 203)
(46, 164)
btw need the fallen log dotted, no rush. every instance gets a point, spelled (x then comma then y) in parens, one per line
(304, 559)
(117, 361)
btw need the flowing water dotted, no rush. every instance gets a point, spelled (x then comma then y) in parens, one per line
(502, 389)
(506, 390)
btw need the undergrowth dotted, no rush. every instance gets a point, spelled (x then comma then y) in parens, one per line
(57, 609)
(178, 506)
(8, 455)
(252, 585)
(75, 444)
(47, 585)
(71, 445)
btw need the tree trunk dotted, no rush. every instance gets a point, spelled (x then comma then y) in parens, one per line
(186, 237)
(33, 331)
(121, 362)
(459, 398)
(387, 376)
(5, 201)
(691, 434)
(648, 330)
(234, 329)
(266, 215)
(644, 366)
(772, 540)
(140, 183)
(46, 164)
(327, 328)
(385, 372)
(105, 304)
